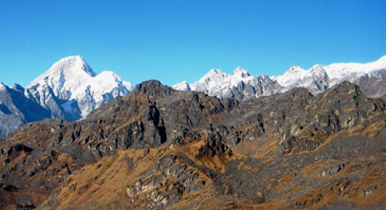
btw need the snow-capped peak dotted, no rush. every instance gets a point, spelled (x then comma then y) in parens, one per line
(65, 76)
(79, 62)
(240, 84)
(317, 66)
(320, 77)
(294, 69)
(184, 86)
(265, 77)
(72, 63)
(213, 74)
(291, 77)
(239, 75)
(72, 80)
(241, 72)
(214, 71)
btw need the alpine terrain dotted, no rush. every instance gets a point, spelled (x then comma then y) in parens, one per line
(159, 148)
(371, 77)
(239, 85)
(69, 90)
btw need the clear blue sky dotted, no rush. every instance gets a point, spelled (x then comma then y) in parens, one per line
(183, 39)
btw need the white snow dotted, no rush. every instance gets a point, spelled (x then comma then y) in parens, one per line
(73, 80)
(328, 75)
(239, 75)
(220, 84)
(317, 79)
(184, 86)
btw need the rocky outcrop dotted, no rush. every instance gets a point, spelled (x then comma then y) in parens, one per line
(172, 149)
(214, 146)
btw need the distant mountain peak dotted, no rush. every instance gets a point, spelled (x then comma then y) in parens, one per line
(240, 84)
(73, 63)
(72, 80)
(184, 86)
(213, 75)
(213, 72)
(321, 77)
(295, 69)
(241, 72)
(265, 76)
(317, 66)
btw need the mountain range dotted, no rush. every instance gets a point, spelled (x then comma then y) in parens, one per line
(70, 89)
(159, 148)
(309, 139)
(241, 85)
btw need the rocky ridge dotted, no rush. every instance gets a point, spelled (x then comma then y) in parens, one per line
(70, 89)
(160, 148)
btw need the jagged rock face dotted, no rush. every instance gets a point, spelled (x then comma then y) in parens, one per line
(161, 148)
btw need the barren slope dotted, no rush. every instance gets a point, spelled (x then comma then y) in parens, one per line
(160, 148)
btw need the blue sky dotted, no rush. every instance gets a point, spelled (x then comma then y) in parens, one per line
(182, 40)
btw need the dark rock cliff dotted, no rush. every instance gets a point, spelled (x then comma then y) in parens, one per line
(176, 149)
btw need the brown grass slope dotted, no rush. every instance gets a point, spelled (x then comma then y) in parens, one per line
(163, 149)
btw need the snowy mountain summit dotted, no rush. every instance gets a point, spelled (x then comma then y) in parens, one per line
(239, 85)
(70, 89)
(371, 77)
